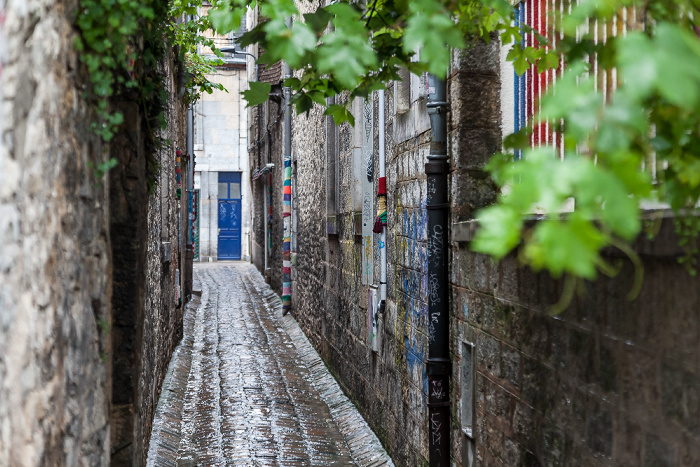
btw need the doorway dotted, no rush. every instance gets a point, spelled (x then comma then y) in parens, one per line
(229, 227)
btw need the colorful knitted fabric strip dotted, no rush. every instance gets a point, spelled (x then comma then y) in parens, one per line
(287, 188)
(287, 239)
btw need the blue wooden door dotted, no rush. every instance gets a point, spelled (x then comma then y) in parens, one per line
(229, 215)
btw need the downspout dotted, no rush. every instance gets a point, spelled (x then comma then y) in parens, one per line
(381, 192)
(266, 221)
(438, 363)
(287, 193)
(189, 177)
(189, 190)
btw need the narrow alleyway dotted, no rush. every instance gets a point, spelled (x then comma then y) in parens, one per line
(245, 387)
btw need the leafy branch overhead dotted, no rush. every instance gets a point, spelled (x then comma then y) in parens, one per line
(121, 43)
(636, 142)
(357, 48)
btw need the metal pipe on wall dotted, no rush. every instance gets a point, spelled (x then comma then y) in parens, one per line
(190, 167)
(438, 363)
(265, 223)
(382, 176)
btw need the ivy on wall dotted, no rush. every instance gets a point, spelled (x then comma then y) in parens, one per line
(122, 45)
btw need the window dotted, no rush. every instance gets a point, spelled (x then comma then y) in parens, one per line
(226, 40)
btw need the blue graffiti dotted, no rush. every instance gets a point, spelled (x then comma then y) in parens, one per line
(414, 278)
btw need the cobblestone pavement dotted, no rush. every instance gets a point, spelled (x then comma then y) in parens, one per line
(245, 387)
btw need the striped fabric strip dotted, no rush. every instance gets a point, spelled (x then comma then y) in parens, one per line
(287, 239)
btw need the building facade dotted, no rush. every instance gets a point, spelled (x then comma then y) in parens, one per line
(607, 382)
(221, 181)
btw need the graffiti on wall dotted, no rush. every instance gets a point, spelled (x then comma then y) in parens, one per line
(411, 289)
(368, 192)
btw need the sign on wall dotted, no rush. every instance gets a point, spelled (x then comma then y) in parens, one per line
(367, 190)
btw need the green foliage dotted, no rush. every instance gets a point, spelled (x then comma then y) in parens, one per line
(640, 143)
(186, 31)
(257, 93)
(354, 48)
(103, 167)
(122, 45)
(106, 44)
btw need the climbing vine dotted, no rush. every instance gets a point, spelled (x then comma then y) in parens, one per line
(109, 48)
(187, 31)
(122, 45)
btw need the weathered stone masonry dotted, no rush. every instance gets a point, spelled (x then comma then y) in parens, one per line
(607, 382)
(147, 318)
(62, 330)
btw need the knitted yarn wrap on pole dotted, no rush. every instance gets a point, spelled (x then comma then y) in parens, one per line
(287, 241)
(380, 221)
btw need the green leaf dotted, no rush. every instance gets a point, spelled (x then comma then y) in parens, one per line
(521, 65)
(287, 44)
(431, 30)
(303, 103)
(225, 20)
(677, 65)
(278, 9)
(294, 83)
(499, 231)
(552, 60)
(569, 246)
(637, 64)
(257, 94)
(340, 114)
(318, 21)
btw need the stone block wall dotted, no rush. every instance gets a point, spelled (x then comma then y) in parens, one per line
(328, 297)
(55, 268)
(147, 311)
(266, 146)
(607, 382)
(88, 311)
(610, 381)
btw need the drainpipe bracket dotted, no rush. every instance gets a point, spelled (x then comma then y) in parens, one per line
(436, 164)
(437, 107)
(438, 206)
(437, 367)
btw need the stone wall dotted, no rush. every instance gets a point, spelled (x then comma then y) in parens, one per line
(329, 299)
(147, 312)
(266, 124)
(68, 240)
(607, 382)
(55, 268)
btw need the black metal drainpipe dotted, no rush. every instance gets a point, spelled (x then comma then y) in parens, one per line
(438, 364)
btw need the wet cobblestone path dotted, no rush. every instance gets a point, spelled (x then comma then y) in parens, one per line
(245, 387)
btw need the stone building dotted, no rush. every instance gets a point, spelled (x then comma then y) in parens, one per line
(265, 159)
(222, 183)
(90, 305)
(607, 382)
